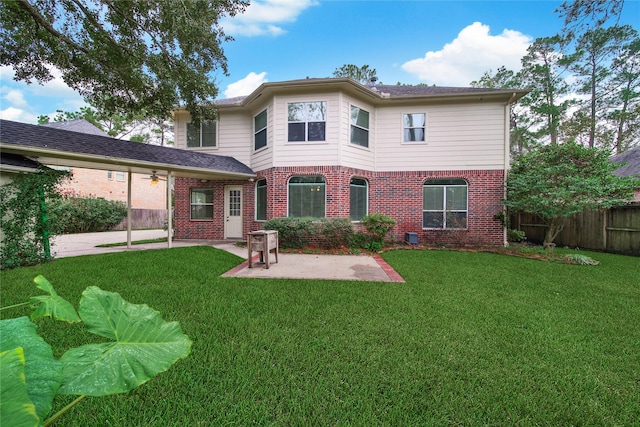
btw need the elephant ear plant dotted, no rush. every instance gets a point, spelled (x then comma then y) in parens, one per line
(141, 345)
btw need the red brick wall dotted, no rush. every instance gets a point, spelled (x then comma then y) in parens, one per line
(395, 194)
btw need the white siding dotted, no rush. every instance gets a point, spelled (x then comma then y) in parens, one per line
(263, 158)
(468, 136)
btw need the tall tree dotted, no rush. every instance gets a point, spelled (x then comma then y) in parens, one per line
(590, 63)
(581, 14)
(556, 181)
(624, 102)
(542, 72)
(124, 56)
(363, 75)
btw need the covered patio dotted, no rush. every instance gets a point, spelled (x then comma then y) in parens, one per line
(59, 147)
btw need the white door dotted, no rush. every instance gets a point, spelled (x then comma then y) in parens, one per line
(233, 212)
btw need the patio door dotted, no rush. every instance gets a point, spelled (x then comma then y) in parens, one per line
(233, 212)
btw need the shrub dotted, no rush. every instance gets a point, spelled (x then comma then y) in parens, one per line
(378, 225)
(86, 214)
(514, 235)
(292, 232)
(25, 219)
(336, 231)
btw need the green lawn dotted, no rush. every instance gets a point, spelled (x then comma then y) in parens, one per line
(469, 339)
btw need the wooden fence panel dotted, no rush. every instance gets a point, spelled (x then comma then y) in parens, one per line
(144, 219)
(614, 230)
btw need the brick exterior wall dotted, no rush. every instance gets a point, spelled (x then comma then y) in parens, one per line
(395, 194)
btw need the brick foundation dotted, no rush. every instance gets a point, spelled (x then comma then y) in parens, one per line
(395, 194)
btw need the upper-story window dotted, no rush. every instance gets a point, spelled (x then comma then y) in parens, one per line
(204, 135)
(414, 127)
(260, 130)
(359, 126)
(307, 121)
(444, 203)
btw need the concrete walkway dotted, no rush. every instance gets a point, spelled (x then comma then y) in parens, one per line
(289, 266)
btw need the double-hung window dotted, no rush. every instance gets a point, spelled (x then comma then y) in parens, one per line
(201, 203)
(260, 130)
(307, 196)
(358, 198)
(307, 121)
(444, 203)
(359, 126)
(414, 127)
(204, 135)
(261, 200)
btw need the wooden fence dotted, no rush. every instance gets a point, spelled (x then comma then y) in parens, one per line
(615, 230)
(144, 219)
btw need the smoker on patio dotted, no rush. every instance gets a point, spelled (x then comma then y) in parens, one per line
(262, 241)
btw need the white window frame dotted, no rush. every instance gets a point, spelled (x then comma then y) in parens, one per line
(366, 201)
(310, 185)
(186, 135)
(191, 204)
(443, 183)
(357, 126)
(260, 181)
(306, 123)
(404, 129)
(258, 131)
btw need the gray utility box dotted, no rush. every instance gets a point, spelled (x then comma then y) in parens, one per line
(262, 241)
(411, 238)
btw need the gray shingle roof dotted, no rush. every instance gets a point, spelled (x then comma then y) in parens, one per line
(79, 125)
(76, 142)
(632, 160)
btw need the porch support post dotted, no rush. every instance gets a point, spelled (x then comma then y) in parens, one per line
(129, 210)
(169, 212)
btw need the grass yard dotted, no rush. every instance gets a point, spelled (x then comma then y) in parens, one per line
(469, 339)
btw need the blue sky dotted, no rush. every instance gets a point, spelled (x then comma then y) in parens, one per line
(447, 43)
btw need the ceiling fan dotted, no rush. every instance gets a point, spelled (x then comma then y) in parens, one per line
(155, 178)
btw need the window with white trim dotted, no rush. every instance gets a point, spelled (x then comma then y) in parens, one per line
(261, 200)
(260, 130)
(307, 196)
(204, 135)
(201, 203)
(359, 126)
(358, 198)
(307, 121)
(444, 203)
(414, 127)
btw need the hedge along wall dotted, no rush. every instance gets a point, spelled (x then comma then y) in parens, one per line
(395, 194)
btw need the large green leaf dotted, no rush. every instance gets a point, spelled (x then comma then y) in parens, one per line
(43, 373)
(52, 305)
(16, 409)
(144, 345)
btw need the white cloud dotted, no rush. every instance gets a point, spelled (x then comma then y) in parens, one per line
(265, 17)
(14, 97)
(469, 56)
(245, 86)
(18, 115)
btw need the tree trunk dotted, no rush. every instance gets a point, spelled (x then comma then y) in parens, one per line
(554, 228)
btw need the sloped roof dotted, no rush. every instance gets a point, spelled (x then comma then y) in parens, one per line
(62, 147)
(78, 125)
(631, 158)
(7, 160)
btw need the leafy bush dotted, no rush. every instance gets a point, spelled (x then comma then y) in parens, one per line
(292, 232)
(24, 219)
(514, 235)
(378, 225)
(337, 232)
(86, 214)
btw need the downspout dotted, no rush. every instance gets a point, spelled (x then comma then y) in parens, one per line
(169, 212)
(507, 163)
(129, 211)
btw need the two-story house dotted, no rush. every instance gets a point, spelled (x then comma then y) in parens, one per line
(432, 158)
